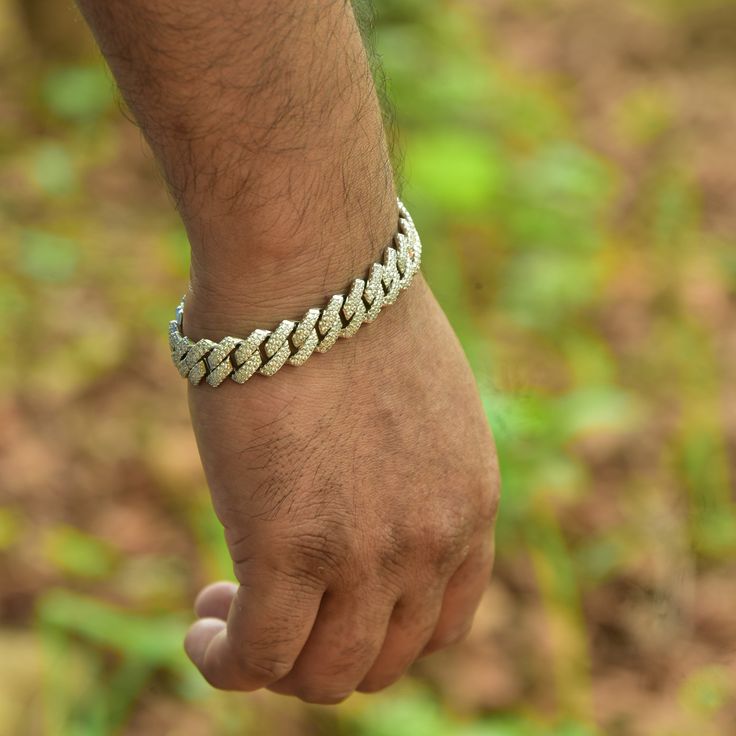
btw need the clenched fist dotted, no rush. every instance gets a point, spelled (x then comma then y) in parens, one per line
(358, 494)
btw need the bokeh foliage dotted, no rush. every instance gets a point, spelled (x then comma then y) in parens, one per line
(560, 162)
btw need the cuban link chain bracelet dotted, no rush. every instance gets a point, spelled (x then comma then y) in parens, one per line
(292, 342)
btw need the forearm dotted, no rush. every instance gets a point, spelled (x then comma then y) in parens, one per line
(264, 119)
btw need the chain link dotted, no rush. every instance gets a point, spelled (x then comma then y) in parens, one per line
(293, 342)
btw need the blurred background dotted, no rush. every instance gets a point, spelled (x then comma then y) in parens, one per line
(571, 166)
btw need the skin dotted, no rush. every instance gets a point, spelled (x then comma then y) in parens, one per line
(357, 492)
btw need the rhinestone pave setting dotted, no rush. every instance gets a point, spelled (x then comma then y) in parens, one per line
(293, 342)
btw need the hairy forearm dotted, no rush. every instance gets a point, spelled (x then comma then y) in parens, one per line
(264, 119)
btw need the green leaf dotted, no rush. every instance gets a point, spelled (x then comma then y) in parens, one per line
(53, 169)
(78, 93)
(460, 172)
(542, 287)
(47, 257)
(156, 640)
(598, 409)
(77, 553)
(406, 715)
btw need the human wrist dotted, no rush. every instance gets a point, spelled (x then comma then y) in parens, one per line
(260, 283)
(293, 341)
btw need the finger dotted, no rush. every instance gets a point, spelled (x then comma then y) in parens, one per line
(462, 596)
(199, 636)
(267, 625)
(214, 600)
(345, 641)
(413, 620)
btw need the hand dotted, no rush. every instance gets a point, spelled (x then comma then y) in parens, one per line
(358, 494)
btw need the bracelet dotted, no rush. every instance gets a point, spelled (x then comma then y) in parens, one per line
(266, 351)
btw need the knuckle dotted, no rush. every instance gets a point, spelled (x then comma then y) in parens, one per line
(315, 553)
(309, 547)
(307, 560)
(444, 544)
(398, 543)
